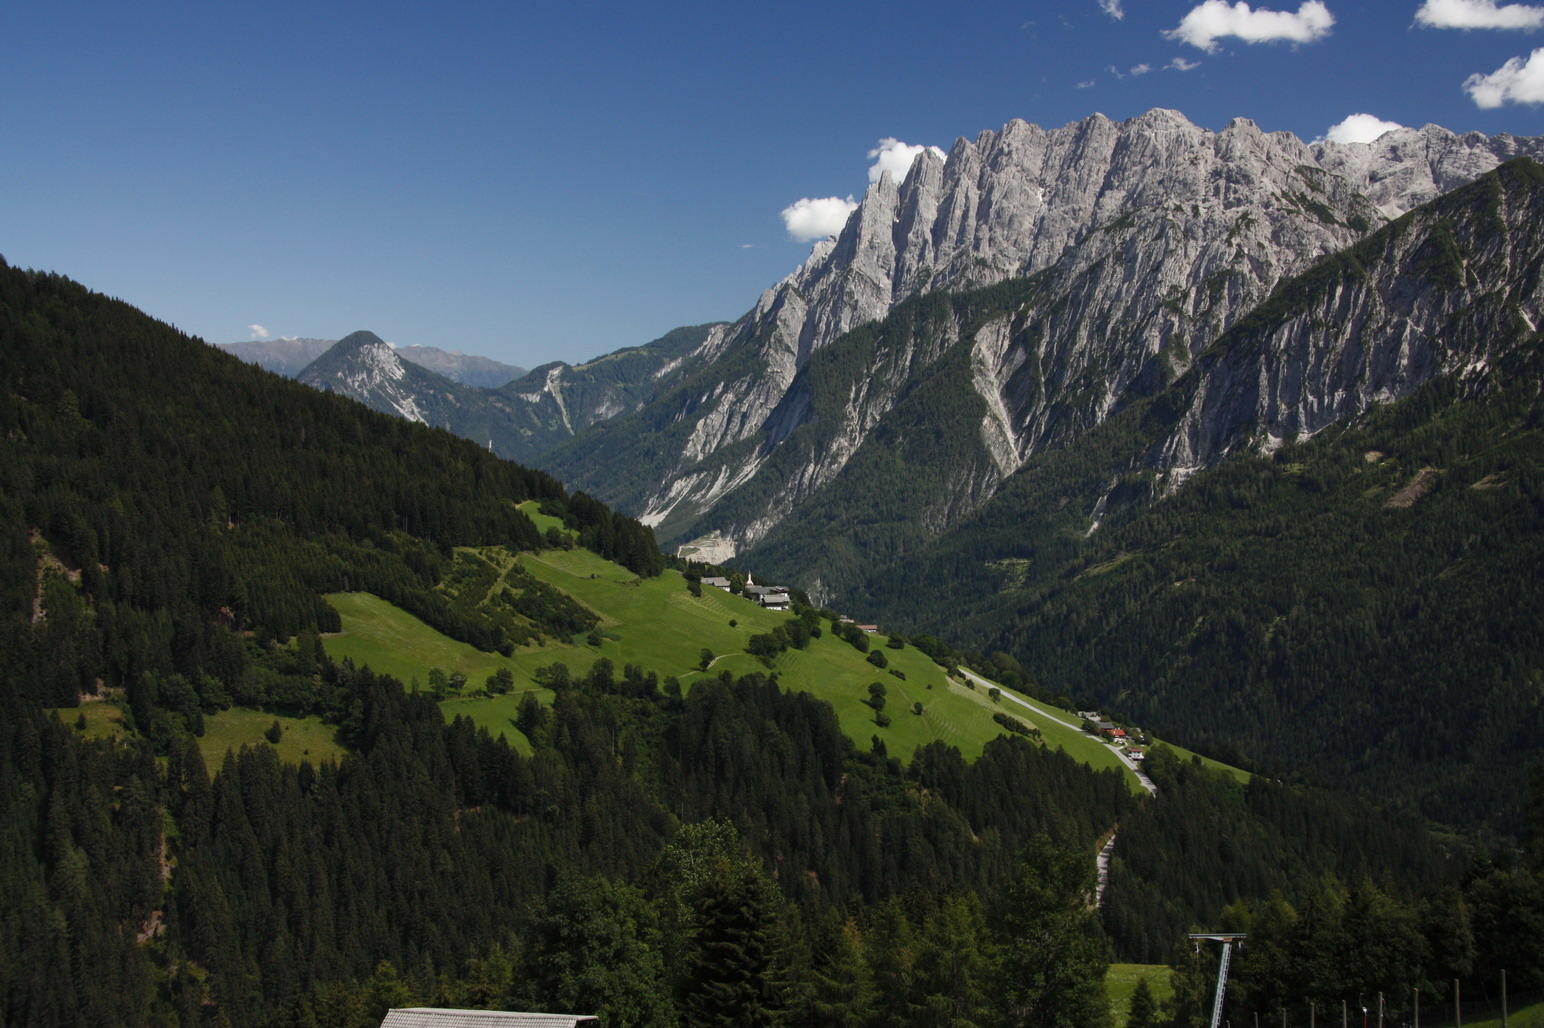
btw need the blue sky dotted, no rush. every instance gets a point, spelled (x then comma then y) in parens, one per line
(534, 182)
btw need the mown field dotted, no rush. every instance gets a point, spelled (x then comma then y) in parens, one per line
(300, 739)
(1120, 981)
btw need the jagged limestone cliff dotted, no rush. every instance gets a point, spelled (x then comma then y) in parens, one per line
(1143, 242)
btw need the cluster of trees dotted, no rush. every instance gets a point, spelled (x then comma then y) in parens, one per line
(269, 893)
(438, 864)
(612, 535)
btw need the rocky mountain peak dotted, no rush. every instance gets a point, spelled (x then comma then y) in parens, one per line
(364, 366)
(358, 341)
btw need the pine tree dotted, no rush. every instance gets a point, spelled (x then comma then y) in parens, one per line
(1050, 970)
(1144, 1009)
(729, 967)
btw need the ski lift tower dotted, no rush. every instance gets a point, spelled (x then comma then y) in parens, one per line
(1227, 939)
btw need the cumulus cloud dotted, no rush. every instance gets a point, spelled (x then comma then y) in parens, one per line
(1478, 14)
(1360, 128)
(895, 157)
(1216, 19)
(1180, 64)
(815, 219)
(1112, 8)
(1141, 69)
(258, 331)
(1517, 81)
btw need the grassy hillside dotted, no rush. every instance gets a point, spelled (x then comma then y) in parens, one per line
(659, 625)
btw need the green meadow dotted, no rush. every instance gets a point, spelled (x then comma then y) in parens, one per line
(104, 719)
(306, 738)
(659, 625)
(1120, 981)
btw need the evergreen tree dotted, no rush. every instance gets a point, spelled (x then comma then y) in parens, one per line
(730, 973)
(595, 950)
(1050, 970)
(1144, 1009)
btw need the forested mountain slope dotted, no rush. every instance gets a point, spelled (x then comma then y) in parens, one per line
(170, 518)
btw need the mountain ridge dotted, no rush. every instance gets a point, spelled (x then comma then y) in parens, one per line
(289, 357)
(1159, 230)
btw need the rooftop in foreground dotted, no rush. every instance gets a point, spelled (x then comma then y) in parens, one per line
(440, 1017)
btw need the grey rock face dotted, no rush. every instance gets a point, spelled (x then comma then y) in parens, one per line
(1154, 235)
(364, 367)
(1405, 168)
(1445, 290)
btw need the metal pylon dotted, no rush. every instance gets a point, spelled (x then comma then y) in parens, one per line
(1227, 939)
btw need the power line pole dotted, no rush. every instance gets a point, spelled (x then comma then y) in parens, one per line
(1227, 939)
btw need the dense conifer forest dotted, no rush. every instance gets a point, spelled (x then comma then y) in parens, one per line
(169, 521)
(1358, 607)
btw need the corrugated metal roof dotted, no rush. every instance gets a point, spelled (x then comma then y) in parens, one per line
(439, 1017)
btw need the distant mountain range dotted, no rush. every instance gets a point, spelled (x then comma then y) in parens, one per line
(523, 418)
(289, 357)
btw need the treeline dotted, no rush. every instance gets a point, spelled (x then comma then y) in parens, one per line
(614, 536)
(265, 894)
(437, 864)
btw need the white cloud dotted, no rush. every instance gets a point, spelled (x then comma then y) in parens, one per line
(895, 157)
(1478, 14)
(815, 219)
(1517, 81)
(1112, 8)
(1180, 64)
(258, 331)
(1215, 19)
(1141, 69)
(1360, 128)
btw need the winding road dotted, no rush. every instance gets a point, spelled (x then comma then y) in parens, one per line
(1146, 782)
